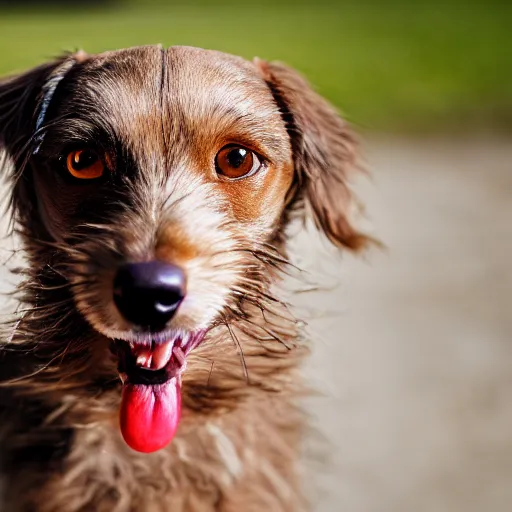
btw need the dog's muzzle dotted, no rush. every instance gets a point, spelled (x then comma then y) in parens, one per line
(152, 358)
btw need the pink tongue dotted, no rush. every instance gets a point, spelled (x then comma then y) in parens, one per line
(150, 415)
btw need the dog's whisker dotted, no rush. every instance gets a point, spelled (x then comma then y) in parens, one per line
(238, 346)
(261, 339)
(28, 376)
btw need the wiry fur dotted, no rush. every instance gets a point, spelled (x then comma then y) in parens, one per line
(157, 113)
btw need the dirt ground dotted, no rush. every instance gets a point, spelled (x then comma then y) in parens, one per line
(413, 349)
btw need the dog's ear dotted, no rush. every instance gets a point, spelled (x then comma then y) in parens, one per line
(24, 98)
(324, 152)
(19, 97)
(24, 101)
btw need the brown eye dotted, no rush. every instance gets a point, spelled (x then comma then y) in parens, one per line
(236, 162)
(85, 164)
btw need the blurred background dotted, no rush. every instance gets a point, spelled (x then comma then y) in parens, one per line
(413, 344)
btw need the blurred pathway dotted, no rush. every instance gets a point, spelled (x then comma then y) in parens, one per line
(416, 366)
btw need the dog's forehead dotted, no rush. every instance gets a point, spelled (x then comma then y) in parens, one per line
(184, 77)
(210, 76)
(183, 92)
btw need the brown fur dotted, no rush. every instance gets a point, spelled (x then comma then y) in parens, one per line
(161, 116)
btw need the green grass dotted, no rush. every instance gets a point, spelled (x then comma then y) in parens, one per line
(389, 65)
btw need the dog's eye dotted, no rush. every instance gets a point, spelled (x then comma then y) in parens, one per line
(85, 164)
(235, 162)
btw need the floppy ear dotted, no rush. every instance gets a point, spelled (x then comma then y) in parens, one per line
(24, 100)
(324, 152)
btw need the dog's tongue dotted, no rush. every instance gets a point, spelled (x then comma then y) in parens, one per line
(150, 414)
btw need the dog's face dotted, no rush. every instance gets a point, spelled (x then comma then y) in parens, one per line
(158, 183)
(179, 157)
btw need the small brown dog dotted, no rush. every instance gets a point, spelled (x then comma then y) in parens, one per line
(151, 189)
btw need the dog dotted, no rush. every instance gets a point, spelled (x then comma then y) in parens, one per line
(152, 365)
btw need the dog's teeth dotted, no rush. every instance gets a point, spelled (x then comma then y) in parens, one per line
(143, 357)
(144, 360)
(123, 377)
(161, 355)
(180, 356)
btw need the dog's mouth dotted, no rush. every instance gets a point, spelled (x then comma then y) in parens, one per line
(151, 369)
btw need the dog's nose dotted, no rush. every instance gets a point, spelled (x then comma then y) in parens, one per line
(148, 294)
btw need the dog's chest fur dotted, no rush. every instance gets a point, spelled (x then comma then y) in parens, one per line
(66, 454)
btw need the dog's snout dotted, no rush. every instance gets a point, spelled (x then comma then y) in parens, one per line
(148, 294)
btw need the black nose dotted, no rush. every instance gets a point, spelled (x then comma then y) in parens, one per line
(148, 294)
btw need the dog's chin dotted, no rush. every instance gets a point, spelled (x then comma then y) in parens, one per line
(150, 367)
